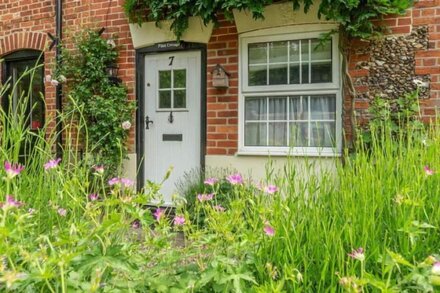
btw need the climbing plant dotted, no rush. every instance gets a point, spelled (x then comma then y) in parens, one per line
(103, 104)
(355, 16)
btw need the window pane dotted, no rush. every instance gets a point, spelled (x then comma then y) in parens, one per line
(258, 53)
(278, 74)
(304, 51)
(323, 134)
(180, 78)
(298, 108)
(294, 51)
(165, 79)
(256, 109)
(164, 99)
(277, 134)
(258, 75)
(323, 107)
(298, 134)
(255, 134)
(305, 73)
(278, 108)
(321, 51)
(321, 72)
(277, 52)
(179, 99)
(294, 73)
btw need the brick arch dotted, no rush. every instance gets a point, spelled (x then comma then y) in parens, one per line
(22, 40)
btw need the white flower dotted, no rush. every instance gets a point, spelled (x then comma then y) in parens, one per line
(436, 269)
(111, 43)
(48, 78)
(126, 125)
(54, 82)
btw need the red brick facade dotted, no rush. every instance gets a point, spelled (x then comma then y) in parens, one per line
(25, 23)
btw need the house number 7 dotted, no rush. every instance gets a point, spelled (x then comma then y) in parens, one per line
(171, 60)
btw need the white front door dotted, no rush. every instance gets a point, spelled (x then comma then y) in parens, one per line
(172, 117)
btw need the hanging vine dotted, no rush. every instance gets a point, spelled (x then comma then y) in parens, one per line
(356, 17)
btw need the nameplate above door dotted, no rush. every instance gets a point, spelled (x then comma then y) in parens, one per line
(170, 45)
(172, 137)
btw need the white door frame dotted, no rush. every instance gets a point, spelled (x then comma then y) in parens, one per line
(140, 90)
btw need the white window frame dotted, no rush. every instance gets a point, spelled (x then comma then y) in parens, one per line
(333, 87)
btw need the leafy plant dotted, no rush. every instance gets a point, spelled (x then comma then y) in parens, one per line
(357, 18)
(104, 106)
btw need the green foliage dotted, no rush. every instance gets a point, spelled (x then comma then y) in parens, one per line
(355, 16)
(394, 117)
(104, 106)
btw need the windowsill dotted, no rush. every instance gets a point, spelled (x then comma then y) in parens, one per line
(285, 152)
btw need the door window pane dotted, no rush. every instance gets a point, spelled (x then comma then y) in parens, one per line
(165, 79)
(179, 99)
(179, 78)
(165, 99)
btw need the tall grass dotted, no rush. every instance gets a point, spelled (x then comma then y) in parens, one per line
(294, 239)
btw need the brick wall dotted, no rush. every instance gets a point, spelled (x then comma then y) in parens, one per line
(222, 104)
(24, 24)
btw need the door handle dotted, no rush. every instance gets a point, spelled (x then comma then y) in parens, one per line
(147, 122)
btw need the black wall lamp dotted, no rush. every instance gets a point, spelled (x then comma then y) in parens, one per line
(112, 70)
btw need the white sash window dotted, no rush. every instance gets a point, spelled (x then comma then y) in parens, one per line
(290, 100)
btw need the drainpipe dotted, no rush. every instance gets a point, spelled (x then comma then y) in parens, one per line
(59, 92)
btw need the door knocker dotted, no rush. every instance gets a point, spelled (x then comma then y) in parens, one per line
(171, 117)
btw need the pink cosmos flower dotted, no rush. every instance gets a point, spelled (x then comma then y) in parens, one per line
(62, 212)
(428, 171)
(270, 189)
(357, 254)
(210, 181)
(269, 230)
(12, 170)
(158, 214)
(11, 202)
(436, 269)
(93, 196)
(179, 220)
(235, 179)
(205, 197)
(136, 224)
(219, 208)
(114, 181)
(99, 169)
(52, 164)
(126, 182)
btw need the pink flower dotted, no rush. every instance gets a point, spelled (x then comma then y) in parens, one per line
(158, 214)
(114, 181)
(93, 196)
(136, 224)
(210, 181)
(269, 230)
(436, 269)
(205, 197)
(12, 170)
(11, 202)
(99, 169)
(428, 171)
(235, 179)
(126, 182)
(52, 164)
(270, 189)
(357, 254)
(62, 212)
(179, 220)
(219, 208)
